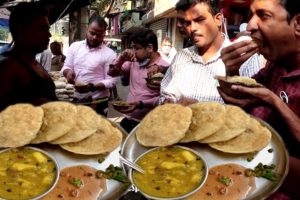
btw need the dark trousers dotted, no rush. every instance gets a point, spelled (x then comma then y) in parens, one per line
(128, 124)
(101, 108)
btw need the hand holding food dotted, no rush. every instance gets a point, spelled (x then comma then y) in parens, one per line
(154, 81)
(70, 76)
(84, 88)
(127, 55)
(236, 54)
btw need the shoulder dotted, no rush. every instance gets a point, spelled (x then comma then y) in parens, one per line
(77, 44)
(9, 67)
(185, 54)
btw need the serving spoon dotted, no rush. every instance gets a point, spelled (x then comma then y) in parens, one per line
(131, 164)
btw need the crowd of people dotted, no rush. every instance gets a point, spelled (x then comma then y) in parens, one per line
(189, 73)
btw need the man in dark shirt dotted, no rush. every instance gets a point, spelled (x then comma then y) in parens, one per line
(22, 78)
(275, 25)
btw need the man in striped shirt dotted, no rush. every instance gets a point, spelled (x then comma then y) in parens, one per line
(191, 74)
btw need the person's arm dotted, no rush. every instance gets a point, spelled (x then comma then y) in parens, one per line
(263, 96)
(7, 80)
(108, 81)
(117, 68)
(167, 88)
(68, 68)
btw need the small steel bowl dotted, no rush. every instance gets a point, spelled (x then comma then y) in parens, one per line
(49, 157)
(181, 197)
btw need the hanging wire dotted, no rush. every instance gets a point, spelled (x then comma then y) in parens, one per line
(65, 9)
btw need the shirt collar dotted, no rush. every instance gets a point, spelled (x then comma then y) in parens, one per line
(92, 49)
(197, 58)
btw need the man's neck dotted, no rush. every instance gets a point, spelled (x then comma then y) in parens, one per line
(212, 49)
(154, 56)
(24, 54)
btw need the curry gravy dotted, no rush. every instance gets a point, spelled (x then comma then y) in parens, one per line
(239, 185)
(78, 182)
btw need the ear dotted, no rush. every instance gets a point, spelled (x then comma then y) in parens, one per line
(219, 18)
(297, 25)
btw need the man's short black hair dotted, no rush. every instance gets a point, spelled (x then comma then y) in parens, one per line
(292, 7)
(100, 20)
(23, 14)
(186, 4)
(144, 37)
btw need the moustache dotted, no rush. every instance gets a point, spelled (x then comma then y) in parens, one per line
(196, 34)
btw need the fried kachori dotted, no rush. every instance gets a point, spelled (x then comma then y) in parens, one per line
(59, 118)
(226, 82)
(19, 124)
(164, 126)
(254, 138)
(236, 121)
(208, 118)
(84, 127)
(104, 140)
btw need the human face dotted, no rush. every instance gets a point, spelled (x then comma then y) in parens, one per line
(95, 35)
(166, 47)
(141, 53)
(270, 27)
(180, 24)
(37, 35)
(201, 25)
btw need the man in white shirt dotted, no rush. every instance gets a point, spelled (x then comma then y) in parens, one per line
(87, 63)
(191, 75)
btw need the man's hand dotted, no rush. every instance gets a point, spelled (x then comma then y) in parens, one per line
(70, 76)
(186, 101)
(85, 88)
(127, 55)
(154, 69)
(236, 54)
(261, 96)
(133, 107)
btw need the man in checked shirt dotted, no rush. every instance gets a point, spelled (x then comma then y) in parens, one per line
(191, 74)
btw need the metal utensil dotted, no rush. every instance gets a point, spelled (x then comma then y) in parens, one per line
(131, 164)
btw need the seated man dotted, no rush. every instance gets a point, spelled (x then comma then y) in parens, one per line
(275, 24)
(136, 63)
(22, 78)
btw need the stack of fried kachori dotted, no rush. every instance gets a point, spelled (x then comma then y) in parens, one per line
(254, 138)
(104, 140)
(19, 124)
(76, 128)
(224, 127)
(208, 117)
(165, 125)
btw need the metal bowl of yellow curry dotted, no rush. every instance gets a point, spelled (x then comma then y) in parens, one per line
(171, 173)
(26, 173)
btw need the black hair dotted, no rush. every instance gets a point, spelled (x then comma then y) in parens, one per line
(23, 14)
(144, 37)
(100, 20)
(186, 4)
(292, 7)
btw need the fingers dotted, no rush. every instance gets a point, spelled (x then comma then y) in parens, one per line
(235, 55)
(128, 55)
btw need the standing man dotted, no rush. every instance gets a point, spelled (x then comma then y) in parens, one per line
(191, 75)
(87, 64)
(136, 64)
(167, 51)
(275, 24)
(22, 78)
